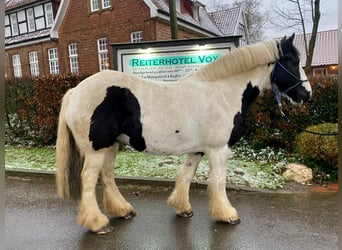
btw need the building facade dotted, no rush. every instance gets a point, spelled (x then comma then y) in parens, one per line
(63, 36)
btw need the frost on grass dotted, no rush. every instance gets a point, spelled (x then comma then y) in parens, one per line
(246, 167)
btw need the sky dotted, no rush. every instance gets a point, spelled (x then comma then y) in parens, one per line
(328, 20)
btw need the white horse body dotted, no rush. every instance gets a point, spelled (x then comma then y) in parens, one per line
(202, 113)
(168, 107)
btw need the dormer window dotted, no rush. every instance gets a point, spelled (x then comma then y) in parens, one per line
(30, 20)
(14, 25)
(48, 14)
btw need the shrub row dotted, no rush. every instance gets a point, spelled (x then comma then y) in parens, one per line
(32, 107)
(264, 126)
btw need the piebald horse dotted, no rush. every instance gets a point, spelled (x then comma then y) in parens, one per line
(202, 113)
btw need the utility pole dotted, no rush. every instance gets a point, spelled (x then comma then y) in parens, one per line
(173, 19)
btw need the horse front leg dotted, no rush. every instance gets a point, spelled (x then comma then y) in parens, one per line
(113, 201)
(220, 207)
(179, 198)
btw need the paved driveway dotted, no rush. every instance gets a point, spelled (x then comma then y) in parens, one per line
(37, 219)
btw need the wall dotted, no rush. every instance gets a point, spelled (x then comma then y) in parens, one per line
(83, 27)
(43, 61)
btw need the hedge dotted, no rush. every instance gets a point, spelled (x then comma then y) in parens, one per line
(264, 126)
(32, 107)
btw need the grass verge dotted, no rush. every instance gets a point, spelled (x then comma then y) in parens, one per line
(241, 170)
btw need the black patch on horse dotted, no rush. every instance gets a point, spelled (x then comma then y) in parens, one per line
(248, 96)
(118, 113)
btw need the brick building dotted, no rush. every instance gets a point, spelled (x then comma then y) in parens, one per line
(63, 36)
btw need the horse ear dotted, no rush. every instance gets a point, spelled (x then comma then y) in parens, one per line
(287, 44)
(291, 38)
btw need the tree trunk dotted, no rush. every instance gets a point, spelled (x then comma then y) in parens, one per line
(316, 14)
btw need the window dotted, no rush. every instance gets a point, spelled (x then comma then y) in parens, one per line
(106, 4)
(16, 65)
(320, 72)
(136, 37)
(30, 20)
(103, 53)
(73, 56)
(14, 25)
(34, 67)
(48, 14)
(178, 5)
(7, 26)
(96, 5)
(53, 61)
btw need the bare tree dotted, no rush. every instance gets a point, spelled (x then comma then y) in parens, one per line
(216, 5)
(255, 20)
(300, 15)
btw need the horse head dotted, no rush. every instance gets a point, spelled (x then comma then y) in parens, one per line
(287, 76)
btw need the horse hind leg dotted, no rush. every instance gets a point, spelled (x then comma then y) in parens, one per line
(114, 202)
(179, 198)
(89, 214)
(220, 207)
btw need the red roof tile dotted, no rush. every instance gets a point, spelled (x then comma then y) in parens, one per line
(326, 48)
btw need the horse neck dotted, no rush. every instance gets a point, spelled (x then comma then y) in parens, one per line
(240, 60)
(236, 85)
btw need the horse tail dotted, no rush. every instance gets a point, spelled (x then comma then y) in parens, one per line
(68, 158)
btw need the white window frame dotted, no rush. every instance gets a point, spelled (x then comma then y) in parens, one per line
(30, 20)
(48, 14)
(320, 71)
(178, 5)
(106, 4)
(34, 66)
(102, 47)
(16, 65)
(73, 57)
(14, 25)
(94, 5)
(53, 61)
(137, 36)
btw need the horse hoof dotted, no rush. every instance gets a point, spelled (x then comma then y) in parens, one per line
(104, 230)
(130, 215)
(186, 214)
(235, 222)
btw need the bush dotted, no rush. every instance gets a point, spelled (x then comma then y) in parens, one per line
(32, 107)
(264, 126)
(49, 91)
(321, 149)
(20, 110)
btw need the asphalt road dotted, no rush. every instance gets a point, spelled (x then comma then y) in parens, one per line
(37, 219)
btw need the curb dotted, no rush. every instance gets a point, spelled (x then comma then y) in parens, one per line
(128, 180)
